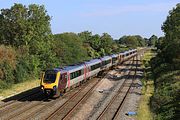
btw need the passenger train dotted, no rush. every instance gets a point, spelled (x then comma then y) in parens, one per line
(58, 80)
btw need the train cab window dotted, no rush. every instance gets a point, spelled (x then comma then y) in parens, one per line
(49, 78)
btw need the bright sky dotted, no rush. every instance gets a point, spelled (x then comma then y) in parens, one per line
(116, 17)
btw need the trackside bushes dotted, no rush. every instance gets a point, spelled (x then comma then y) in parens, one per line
(164, 102)
(7, 66)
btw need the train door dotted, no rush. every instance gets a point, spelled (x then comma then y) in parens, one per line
(63, 81)
(85, 72)
(120, 59)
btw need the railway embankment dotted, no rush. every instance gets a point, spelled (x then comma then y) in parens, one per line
(18, 89)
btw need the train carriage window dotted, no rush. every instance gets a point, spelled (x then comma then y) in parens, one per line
(103, 63)
(71, 75)
(82, 71)
(114, 59)
(76, 74)
(96, 66)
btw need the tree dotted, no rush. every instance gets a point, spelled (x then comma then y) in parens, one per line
(132, 41)
(152, 40)
(29, 27)
(106, 42)
(21, 25)
(171, 28)
(166, 69)
(85, 36)
(69, 48)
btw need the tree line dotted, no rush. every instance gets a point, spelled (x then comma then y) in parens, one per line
(166, 69)
(27, 45)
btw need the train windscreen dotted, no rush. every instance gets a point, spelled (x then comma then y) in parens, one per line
(49, 77)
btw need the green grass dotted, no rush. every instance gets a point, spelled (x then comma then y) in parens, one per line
(144, 112)
(18, 88)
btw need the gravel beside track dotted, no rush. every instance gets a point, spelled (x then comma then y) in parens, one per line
(107, 98)
(97, 100)
(131, 104)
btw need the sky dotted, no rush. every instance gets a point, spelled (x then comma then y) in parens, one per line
(115, 17)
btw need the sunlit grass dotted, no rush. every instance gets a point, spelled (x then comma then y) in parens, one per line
(17, 88)
(144, 112)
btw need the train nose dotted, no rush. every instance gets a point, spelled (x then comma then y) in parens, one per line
(48, 92)
(54, 88)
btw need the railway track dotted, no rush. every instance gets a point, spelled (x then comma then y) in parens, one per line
(111, 111)
(18, 107)
(66, 111)
(125, 99)
(73, 102)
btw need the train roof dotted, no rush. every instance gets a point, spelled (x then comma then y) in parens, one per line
(123, 53)
(105, 58)
(93, 61)
(114, 55)
(73, 67)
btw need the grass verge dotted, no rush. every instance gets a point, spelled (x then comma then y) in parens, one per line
(144, 112)
(18, 88)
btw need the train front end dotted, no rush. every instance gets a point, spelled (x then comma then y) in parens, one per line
(49, 82)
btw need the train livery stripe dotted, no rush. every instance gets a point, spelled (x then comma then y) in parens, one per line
(68, 79)
(85, 71)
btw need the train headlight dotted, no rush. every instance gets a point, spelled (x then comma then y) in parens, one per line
(42, 87)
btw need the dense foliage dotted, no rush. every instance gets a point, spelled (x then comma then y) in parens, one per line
(25, 38)
(166, 69)
(27, 45)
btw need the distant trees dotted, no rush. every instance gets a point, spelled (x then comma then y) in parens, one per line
(132, 41)
(153, 40)
(69, 48)
(166, 69)
(99, 45)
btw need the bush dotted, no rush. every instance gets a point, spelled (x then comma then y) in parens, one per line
(165, 99)
(7, 65)
(3, 85)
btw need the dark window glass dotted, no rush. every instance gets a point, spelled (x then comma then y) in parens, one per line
(76, 74)
(96, 66)
(49, 78)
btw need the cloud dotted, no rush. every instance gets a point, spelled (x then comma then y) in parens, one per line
(112, 11)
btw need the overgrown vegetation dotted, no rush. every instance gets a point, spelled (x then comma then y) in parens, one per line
(166, 70)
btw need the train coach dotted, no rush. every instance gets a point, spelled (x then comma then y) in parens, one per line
(58, 80)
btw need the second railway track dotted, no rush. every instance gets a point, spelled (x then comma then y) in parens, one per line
(112, 110)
